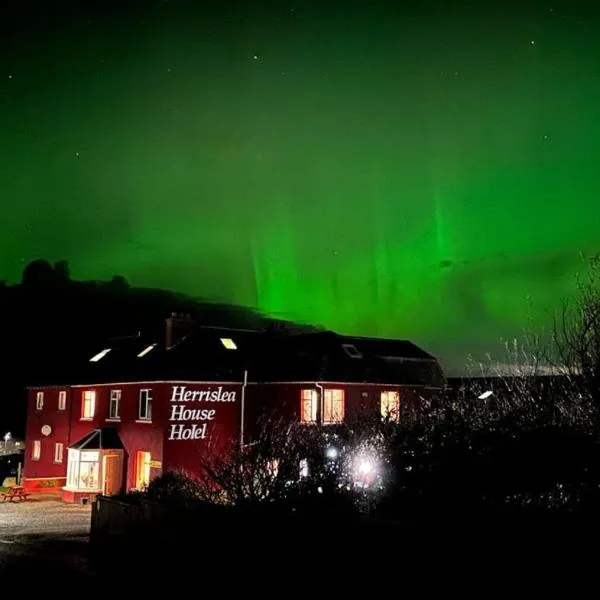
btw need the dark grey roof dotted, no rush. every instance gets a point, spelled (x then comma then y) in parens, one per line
(269, 356)
(99, 439)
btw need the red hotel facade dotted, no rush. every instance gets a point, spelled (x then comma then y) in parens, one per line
(139, 408)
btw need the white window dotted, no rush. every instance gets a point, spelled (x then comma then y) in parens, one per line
(333, 407)
(58, 453)
(308, 408)
(39, 401)
(88, 405)
(62, 400)
(37, 450)
(145, 413)
(390, 406)
(114, 409)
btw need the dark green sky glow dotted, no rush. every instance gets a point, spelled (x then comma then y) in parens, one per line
(409, 172)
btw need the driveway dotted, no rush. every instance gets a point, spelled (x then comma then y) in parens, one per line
(48, 538)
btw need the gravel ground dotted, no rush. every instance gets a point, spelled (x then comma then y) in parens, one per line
(42, 518)
(44, 542)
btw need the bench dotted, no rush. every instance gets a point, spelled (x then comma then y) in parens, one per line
(14, 493)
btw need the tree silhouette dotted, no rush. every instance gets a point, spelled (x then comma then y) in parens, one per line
(38, 273)
(62, 271)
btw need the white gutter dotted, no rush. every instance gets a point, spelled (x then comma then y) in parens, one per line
(322, 402)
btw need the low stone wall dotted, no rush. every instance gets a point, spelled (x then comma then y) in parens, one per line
(150, 525)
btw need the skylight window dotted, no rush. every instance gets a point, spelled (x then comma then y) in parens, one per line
(229, 343)
(100, 355)
(146, 350)
(351, 351)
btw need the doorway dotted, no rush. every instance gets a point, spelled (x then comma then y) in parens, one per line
(142, 478)
(111, 467)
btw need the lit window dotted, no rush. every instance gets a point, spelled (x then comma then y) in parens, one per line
(114, 409)
(37, 450)
(58, 452)
(39, 401)
(308, 410)
(62, 400)
(229, 343)
(351, 351)
(146, 350)
(304, 468)
(273, 468)
(88, 404)
(100, 355)
(390, 406)
(145, 412)
(82, 470)
(142, 477)
(333, 407)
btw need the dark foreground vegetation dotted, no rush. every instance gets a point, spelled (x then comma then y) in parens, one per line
(511, 463)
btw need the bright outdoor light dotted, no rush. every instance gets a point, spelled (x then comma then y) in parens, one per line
(485, 395)
(366, 467)
(331, 453)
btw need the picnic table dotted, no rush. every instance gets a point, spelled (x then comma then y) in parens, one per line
(16, 492)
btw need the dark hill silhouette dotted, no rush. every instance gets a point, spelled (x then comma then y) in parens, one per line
(48, 312)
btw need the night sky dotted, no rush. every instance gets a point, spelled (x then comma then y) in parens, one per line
(415, 171)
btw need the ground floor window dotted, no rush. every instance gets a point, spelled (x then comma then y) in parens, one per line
(37, 450)
(58, 453)
(308, 408)
(83, 469)
(390, 406)
(333, 407)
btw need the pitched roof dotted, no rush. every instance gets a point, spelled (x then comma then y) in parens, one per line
(105, 438)
(223, 354)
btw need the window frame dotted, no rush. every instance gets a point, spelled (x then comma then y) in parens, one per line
(36, 452)
(390, 414)
(314, 409)
(62, 400)
(59, 456)
(114, 399)
(329, 408)
(145, 395)
(84, 400)
(39, 401)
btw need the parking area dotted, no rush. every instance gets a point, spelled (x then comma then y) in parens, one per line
(45, 536)
(43, 517)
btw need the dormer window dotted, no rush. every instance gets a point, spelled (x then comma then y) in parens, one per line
(100, 355)
(229, 343)
(351, 351)
(146, 350)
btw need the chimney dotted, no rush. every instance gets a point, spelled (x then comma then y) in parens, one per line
(178, 326)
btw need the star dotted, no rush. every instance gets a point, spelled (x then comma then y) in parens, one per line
(76, 153)
(255, 57)
(532, 42)
(10, 76)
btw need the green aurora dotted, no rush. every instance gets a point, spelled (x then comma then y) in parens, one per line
(428, 174)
